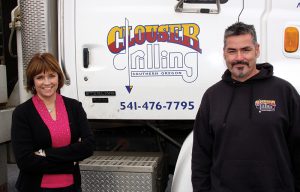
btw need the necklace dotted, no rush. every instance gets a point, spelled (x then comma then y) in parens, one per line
(50, 108)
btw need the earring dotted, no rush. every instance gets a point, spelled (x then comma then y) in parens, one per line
(33, 88)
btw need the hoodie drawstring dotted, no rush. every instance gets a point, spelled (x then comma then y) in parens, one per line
(229, 106)
(250, 102)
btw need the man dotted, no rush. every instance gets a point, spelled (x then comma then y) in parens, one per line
(247, 130)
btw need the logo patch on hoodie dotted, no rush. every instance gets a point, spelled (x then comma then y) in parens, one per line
(265, 105)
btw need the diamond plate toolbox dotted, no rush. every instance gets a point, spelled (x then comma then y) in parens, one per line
(120, 172)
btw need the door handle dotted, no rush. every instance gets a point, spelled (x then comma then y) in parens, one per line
(86, 57)
(179, 8)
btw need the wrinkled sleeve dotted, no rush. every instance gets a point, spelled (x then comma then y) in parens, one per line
(23, 147)
(202, 149)
(294, 136)
(79, 150)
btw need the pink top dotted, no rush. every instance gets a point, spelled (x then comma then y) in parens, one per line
(60, 135)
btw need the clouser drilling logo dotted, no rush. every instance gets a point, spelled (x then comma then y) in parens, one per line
(149, 59)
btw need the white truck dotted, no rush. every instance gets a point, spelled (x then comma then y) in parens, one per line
(147, 63)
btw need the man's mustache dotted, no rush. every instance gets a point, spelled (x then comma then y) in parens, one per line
(240, 62)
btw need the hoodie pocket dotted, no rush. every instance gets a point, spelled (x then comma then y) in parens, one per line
(246, 175)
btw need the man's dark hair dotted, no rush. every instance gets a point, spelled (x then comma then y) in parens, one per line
(240, 28)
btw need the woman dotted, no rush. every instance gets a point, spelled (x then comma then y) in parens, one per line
(50, 132)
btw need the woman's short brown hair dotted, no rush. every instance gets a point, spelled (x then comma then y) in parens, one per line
(39, 63)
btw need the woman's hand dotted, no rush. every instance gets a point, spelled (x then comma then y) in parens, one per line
(79, 140)
(41, 153)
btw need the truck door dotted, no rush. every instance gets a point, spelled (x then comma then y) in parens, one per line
(144, 60)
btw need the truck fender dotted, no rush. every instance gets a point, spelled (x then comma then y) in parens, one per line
(182, 174)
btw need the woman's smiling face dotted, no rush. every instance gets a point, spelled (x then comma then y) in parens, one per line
(46, 84)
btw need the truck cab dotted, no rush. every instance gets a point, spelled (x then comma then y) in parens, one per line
(140, 68)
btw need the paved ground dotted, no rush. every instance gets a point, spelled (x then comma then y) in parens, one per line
(12, 174)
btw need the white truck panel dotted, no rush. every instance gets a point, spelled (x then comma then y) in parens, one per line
(286, 65)
(168, 74)
(5, 119)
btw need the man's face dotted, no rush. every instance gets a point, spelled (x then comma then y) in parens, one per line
(240, 54)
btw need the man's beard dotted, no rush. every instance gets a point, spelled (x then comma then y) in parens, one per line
(241, 75)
